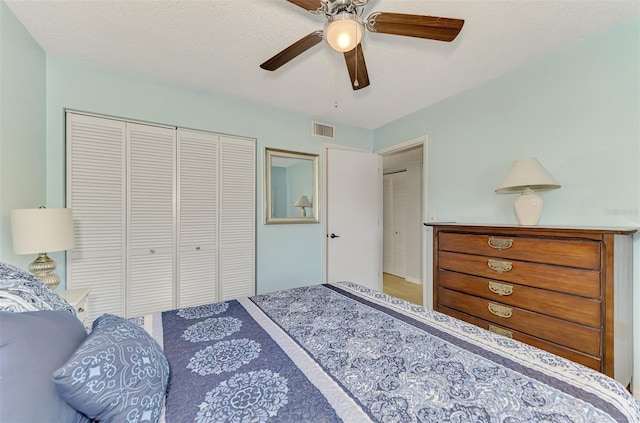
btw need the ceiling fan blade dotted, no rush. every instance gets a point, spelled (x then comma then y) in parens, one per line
(310, 5)
(292, 51)
(362, 76)
(430, 27)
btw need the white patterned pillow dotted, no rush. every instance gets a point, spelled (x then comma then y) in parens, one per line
(21, 291)
(118, 374)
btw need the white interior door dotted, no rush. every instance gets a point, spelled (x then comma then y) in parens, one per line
(399, 224)
(395, 223)
(387, 223)
(354, 213)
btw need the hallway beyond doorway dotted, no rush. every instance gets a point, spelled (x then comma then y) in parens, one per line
(399, 287)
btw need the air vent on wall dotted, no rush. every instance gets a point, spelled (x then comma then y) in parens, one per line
(323, 130)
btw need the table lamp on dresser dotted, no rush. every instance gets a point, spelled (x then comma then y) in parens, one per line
(41, 231)
(526, 176)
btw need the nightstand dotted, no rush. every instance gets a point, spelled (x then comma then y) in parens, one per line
(79, 299)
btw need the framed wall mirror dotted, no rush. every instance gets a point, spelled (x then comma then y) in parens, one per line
(291, 187)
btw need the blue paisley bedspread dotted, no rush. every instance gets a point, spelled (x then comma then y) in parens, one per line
(343, 352)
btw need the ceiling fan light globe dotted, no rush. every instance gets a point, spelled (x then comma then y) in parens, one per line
(344, 32)
(344, 40)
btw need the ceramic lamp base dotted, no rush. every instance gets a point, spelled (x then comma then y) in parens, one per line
(528, 208)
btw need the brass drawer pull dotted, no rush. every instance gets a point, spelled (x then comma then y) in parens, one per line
(499, 266)
(500, 243)
(500, 288)
(500, 311)
(500, 331)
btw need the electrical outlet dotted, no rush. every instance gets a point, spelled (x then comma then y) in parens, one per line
(432, 217)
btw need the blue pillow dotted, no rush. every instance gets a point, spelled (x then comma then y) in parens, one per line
(21, 291)
(33, 345)
(118, 374)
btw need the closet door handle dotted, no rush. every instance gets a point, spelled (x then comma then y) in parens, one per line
(334, 236)
(152, 251)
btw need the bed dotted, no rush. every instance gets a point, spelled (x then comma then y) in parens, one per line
(343, 352)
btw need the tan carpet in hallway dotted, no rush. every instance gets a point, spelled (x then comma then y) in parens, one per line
(398, 287)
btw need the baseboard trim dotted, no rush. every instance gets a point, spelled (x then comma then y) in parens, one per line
(413, 280)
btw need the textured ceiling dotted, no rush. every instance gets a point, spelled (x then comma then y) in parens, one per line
(218, 45)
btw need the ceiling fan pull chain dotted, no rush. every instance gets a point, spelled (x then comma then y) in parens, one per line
(356, 83)
(335, 79)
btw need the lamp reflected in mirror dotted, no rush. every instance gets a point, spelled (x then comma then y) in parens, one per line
(291, 187)
(303, 202)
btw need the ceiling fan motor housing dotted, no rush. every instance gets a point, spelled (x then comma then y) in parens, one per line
(341, 6)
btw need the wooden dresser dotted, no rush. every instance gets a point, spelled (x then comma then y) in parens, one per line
(564, 290)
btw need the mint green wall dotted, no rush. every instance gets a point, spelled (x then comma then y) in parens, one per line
(577, 111)
(91, 88)
(22, 127)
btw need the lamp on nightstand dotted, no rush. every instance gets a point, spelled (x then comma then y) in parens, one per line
(527, 176)
(42, 230)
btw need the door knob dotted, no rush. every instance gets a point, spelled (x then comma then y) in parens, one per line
(334, 236)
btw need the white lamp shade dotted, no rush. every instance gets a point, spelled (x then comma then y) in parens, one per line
(527, 173)
(41, 230)
(344, 32)
(303, 201)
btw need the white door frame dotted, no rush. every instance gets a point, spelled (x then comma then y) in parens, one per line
(426, 233)
(325, 147)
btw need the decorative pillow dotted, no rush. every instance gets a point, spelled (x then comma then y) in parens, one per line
(21, 291)
(118, 374)
(33, 345)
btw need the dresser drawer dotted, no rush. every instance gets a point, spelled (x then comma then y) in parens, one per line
(556, 278)
(573, 253)
(576, 356)
(558, 331)
(585, 311)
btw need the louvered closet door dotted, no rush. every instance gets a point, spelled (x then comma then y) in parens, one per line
(95, 192)
(197, 218)
(151, 223)
(237, 217)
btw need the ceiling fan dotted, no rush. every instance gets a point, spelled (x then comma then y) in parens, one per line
(345, 28)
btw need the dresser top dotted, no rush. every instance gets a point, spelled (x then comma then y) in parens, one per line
(593, 230)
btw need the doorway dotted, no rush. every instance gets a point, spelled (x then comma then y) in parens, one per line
(404, 205)
(352, 221)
